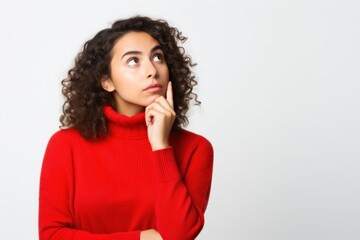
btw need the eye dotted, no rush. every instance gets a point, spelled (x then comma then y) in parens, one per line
(132, 61)
(158, 57)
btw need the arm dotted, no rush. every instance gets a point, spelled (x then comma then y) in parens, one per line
(56, 214)
(182, 200)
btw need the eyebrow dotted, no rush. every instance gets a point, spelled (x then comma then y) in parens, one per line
(157, 47)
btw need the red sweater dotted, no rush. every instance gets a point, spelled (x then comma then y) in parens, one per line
(113, 188)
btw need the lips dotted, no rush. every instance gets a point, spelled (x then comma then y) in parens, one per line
(153, 87)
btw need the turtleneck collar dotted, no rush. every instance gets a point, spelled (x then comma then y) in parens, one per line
(124, 126)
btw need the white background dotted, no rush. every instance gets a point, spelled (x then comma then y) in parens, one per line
(279, 82)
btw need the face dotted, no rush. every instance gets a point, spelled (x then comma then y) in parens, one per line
(139, 73)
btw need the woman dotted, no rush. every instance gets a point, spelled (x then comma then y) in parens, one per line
(122, 167)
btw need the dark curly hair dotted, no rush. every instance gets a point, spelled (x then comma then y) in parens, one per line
(85, 97)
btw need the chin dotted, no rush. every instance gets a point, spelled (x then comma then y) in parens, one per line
(153, 97)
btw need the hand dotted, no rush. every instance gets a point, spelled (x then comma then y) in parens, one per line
(150, 234)
(159, 117)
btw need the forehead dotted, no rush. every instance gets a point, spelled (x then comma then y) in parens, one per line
(135, 41)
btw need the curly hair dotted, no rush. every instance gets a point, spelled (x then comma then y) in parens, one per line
(84, 95)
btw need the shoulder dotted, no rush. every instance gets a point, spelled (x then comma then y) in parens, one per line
(64, 137)
(62, 147)
(191, 137)
(188, 141)
(66, 134)
(58, 159)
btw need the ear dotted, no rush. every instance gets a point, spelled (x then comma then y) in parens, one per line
(107, 84)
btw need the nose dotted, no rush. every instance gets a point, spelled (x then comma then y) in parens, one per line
(151, 70)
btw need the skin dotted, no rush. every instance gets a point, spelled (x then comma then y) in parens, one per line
(137, 63)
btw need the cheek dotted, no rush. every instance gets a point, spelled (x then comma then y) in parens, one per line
(165, 77)
(123, 80)
(128, 90)
(166, 71)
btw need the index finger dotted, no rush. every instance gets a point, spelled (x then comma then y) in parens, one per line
(169, 95)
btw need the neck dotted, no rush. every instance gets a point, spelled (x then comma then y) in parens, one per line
(126, 126)
(126, 108)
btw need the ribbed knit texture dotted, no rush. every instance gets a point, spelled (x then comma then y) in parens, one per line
(113, 188)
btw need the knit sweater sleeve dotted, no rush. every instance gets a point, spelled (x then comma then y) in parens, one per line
(56, 213)
(182, 199)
